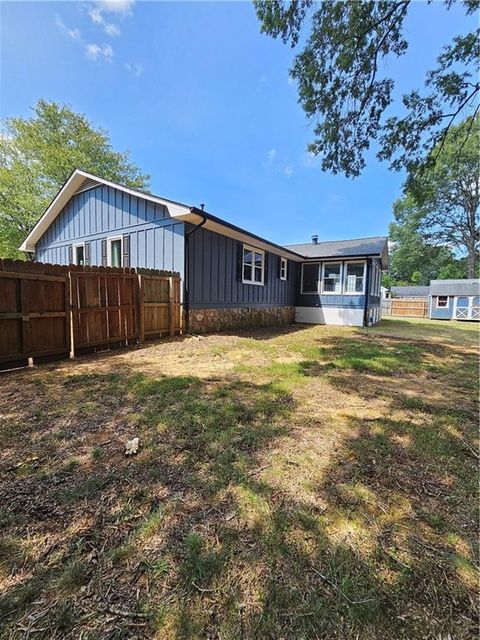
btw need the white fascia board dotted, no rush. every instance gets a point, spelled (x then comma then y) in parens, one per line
(175, 209)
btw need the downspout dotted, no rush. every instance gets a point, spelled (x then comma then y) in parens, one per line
(186, 284)
(367, 292)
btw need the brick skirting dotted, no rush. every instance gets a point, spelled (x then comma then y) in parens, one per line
(211, 320)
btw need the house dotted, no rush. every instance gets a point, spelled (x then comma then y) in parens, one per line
(454, 299)
(231, 276)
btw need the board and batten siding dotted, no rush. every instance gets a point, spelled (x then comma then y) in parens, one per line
(215, 279)
(442, 313)
(156, 240)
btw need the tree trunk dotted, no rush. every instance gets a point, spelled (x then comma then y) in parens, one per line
(472, 259)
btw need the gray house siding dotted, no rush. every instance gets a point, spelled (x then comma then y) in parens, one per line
(215, 279)
(156, 241)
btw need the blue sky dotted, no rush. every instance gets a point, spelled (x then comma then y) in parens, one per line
(204, 104)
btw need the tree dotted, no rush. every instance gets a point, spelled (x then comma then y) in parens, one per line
(446, 193)
(413, 260)
(343, 86)
(38, 154)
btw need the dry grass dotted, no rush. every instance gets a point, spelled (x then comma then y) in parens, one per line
(303, 483)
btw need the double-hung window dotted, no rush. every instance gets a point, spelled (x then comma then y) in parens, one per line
(375, 280)
(332, 277)
(442, 302)
(253, 265)
(114, 256)
(310, 277)
(283, 268)
(79, 254)
(355, 277)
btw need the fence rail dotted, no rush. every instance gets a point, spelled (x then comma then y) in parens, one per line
(50, 311)
(406, 307)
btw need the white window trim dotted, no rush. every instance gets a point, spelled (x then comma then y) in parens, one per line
(74, 247)
(311, 293)
(447, 306)
(253, 250)
(375, 280)
(354, 293)
(109, 249)
(331, 293)
(283, 263)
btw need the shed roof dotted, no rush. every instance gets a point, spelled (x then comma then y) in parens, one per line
(466, 287)
(410, 292)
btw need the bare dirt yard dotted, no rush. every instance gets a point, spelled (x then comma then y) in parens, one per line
(298, 483)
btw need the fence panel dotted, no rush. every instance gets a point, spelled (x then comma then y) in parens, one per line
(104, 307)
(34, 312)
(160, 309)
(409, 307)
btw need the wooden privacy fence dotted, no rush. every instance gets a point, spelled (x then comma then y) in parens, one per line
(104, 305)
(407, 307)
(50, 311)
(160, 305)
(34, 312)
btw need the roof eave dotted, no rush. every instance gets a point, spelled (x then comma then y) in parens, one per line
(71, 185)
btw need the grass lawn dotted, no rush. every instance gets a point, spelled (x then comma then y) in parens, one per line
(291, 484)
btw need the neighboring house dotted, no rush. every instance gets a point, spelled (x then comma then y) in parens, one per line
(416, 291)
(231, 276)
(454, 299)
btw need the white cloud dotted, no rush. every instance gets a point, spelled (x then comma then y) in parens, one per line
(74, 34)
(271, 155)
(120, 7)
(111, 29)
(136, 69)
(291, 80)
(288, 171)
(96, 16)
(96, 52)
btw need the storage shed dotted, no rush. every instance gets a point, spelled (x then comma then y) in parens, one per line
(454, 299)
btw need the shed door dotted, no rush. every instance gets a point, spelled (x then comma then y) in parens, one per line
(462, 308)
(467, 308)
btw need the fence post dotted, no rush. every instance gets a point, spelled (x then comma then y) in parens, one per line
(141, 310)
(171, 308)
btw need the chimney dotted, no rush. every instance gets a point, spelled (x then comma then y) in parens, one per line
(315, 239)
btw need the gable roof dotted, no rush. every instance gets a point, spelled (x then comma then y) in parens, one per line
(465, 287)
(81, 181)
(359, 247)
(414, 291)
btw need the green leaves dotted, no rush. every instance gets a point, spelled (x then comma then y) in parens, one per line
(38, 154)
(344, 90)
(439, 214)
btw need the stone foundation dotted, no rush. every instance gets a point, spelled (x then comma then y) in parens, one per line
(211, 320)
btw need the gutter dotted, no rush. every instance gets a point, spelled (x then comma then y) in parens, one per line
(367, 292)
(186, 265)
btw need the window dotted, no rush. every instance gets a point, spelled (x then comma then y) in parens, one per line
(310, 278)
(332, 280)
(375, 280)
(114, 256)
(283, 268)
(355, 277)
(253, 265)
(442, 302)
(79, 254)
